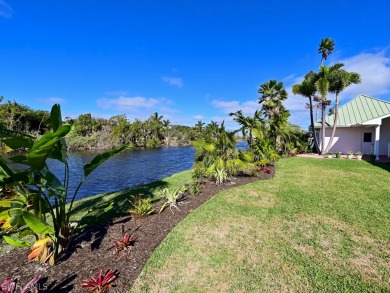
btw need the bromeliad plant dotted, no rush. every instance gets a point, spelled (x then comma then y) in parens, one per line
(125, 243)
(34, 198)
(172, 197)
(101, 283)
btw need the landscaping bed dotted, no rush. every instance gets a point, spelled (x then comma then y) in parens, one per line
(92, 249)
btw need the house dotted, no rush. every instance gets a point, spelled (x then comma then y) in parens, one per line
(363, 126)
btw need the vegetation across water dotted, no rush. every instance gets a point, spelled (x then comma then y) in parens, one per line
(317, 226)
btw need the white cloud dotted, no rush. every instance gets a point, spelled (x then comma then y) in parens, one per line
(5, 10)
(248, 107)
(198, 117)
(374, 69)
(174, 81)
(128, 103)
(52, 100)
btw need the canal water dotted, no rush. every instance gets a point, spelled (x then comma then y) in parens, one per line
(127, 169)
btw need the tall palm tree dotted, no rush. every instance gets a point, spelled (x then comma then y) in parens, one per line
(308, 90)
(339, 79)
(272, 95)
(322, 86)
(326, 48)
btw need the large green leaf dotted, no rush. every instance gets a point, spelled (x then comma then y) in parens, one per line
(16, 242)
(11, 204)
(55, 117)
(101, 158)
(5, 170)
(36, 157)
(36, 225)
(59, 151)
(16, 139)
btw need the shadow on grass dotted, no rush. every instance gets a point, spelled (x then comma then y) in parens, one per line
(384, 166)
(101, 208)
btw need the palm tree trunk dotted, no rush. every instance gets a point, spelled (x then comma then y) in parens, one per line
(336, 116)
(323, 128)
(313, 131)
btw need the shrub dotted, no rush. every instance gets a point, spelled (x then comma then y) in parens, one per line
(172, 197)
(141, 207)
(220, 176)
(194, 188)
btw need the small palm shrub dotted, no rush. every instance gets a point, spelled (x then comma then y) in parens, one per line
(172, 197)
(141, 207)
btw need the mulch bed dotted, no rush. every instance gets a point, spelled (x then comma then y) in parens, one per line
(91, 248)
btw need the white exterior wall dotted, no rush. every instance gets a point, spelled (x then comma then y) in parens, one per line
(350, 139)
(384, 136)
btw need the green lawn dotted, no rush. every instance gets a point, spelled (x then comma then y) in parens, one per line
(318, 226)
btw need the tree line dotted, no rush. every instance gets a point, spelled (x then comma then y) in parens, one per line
(88, 132)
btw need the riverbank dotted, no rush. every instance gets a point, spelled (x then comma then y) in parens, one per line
(92, 245)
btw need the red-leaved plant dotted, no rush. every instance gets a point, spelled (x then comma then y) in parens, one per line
(125, 243)
(101, 283)
(8, 286)
(266, 170)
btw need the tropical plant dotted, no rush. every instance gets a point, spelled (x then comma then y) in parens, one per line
(326, 48)
(141, 207)
(220, 176)
(100, 284)
(308, 90)
(125, 243)
(35, 198)
(339, 79)
(194, 188)
(8, 285)
(272, 95)
(248, 123)
(219, 153)
(172, 197)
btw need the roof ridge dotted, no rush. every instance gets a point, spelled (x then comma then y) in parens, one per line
(372, 98)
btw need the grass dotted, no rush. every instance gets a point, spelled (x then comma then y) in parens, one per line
(94, 210)
(318, 226)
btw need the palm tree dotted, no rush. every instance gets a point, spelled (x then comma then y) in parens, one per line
(156, 125)
(212, 129)
(308, 90)
(199, 126)
(339, 79)
(248, 123)
(322, 86)
(166, 125)
(272, 95)
(326, 48)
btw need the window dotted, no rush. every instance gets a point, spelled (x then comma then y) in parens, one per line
(367, 137)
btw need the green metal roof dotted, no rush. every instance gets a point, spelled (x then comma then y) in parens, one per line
(358, 111)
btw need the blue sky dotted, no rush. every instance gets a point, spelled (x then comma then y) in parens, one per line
(186, 60)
